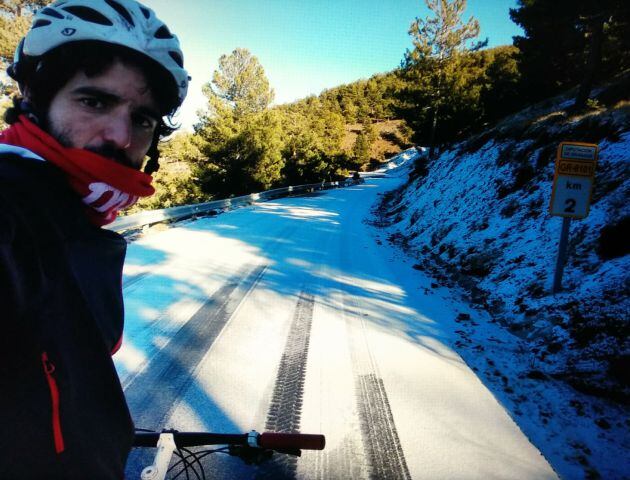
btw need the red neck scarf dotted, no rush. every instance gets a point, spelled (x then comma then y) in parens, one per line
(105, 186)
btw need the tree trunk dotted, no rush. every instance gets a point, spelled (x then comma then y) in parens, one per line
(436, 110)
(433, 130)
(593, 63)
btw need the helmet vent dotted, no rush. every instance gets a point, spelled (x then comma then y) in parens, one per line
(178, 59)
(41, 23)
(163, 32)
(52, 13)
(145, 12)
(88, 14)
(122, 11)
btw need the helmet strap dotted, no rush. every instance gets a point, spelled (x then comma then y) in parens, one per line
(153, 165)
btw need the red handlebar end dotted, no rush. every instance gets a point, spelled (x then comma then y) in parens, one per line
(302, 441)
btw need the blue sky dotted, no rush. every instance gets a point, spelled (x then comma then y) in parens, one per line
(307, 46)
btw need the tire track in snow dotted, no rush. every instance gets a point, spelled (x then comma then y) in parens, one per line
(343, 462)
(173, 367)
(383, 450)
(153, 392)
(285, 410)
(133, 279)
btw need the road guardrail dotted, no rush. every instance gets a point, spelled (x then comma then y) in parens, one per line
(150, 217)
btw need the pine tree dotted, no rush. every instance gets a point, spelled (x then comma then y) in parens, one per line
(363, 144)
(239, 85)
(304, 161)
(248, 160)
(439, 41)
(241, 137)
(500, 93)
(569, 43)
(361, 150)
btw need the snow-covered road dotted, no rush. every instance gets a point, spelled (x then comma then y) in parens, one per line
(291, 314)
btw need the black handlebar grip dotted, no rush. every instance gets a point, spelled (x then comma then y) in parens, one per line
(303, 441)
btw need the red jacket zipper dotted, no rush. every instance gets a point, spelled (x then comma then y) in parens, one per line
(49, 369)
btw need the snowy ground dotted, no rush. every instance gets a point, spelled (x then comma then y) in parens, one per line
(296, 314)
(467, 216)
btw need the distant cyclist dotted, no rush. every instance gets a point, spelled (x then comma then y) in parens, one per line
(99, 82)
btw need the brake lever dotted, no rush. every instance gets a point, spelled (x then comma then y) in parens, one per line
(250, 455)
(296, 452)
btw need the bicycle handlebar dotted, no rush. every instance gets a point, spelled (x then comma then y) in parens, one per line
(269, 440)
(190, 439)
(252, 447)
(302, 441)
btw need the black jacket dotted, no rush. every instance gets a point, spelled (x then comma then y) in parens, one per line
(62, 409)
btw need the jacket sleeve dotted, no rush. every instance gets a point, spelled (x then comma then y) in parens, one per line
(12, 295)
(12, 298)
(21, 275)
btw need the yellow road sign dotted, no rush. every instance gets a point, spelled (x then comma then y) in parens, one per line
(577, 151)
(580, 169)
(573, 179)
(571, 196)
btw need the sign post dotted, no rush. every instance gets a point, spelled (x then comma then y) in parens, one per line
(571, 194)
(562, 255)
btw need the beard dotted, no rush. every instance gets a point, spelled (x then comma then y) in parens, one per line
(109, 151)
(106, 150)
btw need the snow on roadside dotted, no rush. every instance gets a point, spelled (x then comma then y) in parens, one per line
(480, 214)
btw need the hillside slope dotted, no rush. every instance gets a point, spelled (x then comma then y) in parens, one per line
(391, 139)
(477, 217)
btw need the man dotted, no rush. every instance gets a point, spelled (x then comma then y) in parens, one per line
(97, 79)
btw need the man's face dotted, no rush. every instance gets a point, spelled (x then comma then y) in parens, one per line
(113, 114)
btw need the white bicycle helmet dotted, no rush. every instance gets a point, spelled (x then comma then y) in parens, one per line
(121, 22)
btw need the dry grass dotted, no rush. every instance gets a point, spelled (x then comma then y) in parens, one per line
(389, 139)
